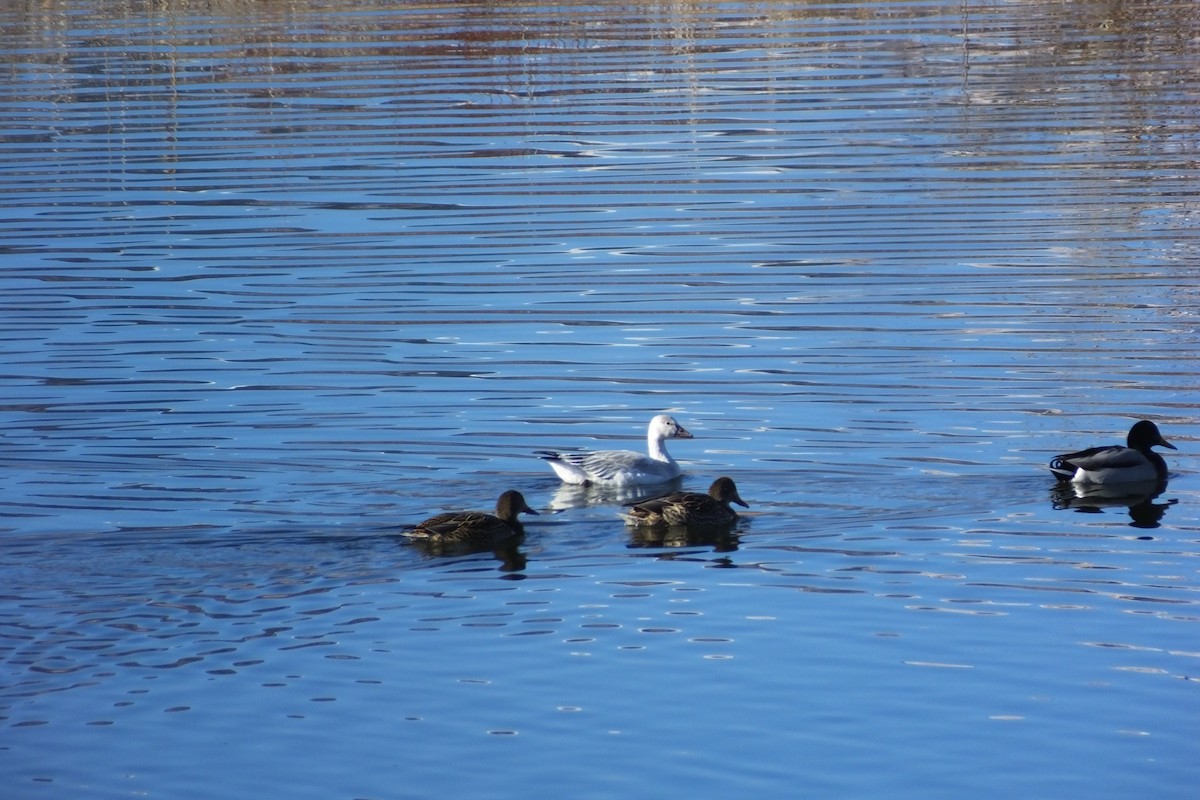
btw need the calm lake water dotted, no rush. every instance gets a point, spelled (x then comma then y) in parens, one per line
(280, 279)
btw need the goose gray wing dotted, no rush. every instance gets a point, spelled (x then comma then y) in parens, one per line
(607, 465)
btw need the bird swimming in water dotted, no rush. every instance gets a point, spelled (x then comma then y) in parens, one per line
(623, 467)
(475, 526)
(1133, 463)
(689, 509)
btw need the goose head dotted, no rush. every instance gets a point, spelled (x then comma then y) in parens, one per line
(665, 427)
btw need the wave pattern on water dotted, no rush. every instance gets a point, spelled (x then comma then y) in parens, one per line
(279, 254)
(279, 279)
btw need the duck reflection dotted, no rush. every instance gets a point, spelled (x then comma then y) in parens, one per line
(721, 541)
(506, 551)
(1138, 498)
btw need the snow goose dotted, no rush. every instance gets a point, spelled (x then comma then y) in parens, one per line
(623, 467)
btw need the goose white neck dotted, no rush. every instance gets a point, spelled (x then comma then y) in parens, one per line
(657, 448)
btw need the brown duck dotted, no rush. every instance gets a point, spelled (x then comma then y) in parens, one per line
(689, 509)
(477, 526)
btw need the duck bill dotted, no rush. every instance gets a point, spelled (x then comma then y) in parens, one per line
(1165, 443)
(683, 433)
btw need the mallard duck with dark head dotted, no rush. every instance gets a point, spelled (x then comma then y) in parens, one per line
(689, 509)
(1112, 464)
(476, 526)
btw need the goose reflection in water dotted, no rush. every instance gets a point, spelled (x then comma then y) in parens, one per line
(1137, 498)
(569, 495)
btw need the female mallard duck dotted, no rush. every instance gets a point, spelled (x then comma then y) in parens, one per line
(1135, 462)
(689, 509)
(623, 467)
(463, 526)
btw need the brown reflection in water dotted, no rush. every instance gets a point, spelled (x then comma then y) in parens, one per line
(298, 36)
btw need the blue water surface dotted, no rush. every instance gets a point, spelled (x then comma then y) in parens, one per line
(279, 281)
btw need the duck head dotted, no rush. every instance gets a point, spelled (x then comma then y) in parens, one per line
(1144, 435)
(510, 504)
(723, 489)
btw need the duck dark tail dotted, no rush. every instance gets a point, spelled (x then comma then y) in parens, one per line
(1062, 469)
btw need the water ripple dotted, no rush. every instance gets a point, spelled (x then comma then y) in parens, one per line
(277, 284)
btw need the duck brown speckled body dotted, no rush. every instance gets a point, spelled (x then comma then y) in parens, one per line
(475, 526)
(689, 509)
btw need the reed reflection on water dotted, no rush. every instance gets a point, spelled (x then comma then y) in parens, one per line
(280, 279)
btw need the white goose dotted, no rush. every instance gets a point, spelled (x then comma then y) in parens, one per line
(623, 467)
